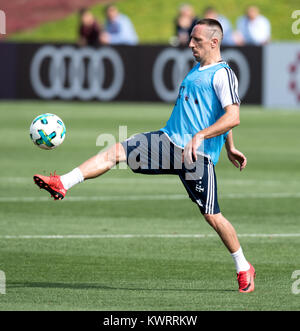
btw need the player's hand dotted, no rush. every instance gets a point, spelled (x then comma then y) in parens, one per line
(237, 158)
(189, 154)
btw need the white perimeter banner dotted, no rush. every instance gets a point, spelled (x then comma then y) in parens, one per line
(281, 76)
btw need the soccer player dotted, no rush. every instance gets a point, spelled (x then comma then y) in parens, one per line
(206, 110)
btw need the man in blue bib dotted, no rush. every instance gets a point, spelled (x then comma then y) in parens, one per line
(189, 145)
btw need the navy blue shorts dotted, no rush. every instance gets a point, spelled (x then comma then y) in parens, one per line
(153, 153)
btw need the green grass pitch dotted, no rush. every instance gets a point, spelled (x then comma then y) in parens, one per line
(144, 272)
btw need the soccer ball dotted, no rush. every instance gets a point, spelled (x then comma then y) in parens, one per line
(47, 131)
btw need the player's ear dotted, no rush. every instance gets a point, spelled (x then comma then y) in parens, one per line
(214, 42)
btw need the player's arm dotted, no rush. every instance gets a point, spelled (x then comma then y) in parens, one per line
(237, 158)
(229, 120)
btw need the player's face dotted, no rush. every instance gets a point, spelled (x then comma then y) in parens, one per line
(200, 43)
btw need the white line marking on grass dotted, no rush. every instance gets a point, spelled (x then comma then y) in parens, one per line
(98, 198)
(270, 195)
(155, 180)
(164, 236)
(274, 195)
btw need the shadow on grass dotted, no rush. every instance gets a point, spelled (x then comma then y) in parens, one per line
(87, 286)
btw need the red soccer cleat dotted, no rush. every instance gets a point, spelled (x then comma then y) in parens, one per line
(52, 184)
(246, 280)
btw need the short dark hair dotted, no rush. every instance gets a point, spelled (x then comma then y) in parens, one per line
(210, 22)
(82, 11)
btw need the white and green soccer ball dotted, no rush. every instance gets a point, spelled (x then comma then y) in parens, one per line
(47, 131)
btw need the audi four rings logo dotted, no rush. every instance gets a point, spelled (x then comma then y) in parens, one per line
(74, 72)
(182, 60)
(81, 73)
(181, 67)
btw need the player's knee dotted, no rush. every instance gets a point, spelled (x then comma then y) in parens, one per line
(117, 153)
(213, 219)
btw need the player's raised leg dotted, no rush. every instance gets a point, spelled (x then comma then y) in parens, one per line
(97, 165)
(102, 162)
